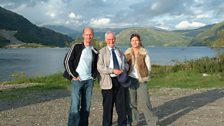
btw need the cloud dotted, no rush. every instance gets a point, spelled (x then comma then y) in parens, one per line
(15, 3)
(51, 14)
(72, 15)
(189, 25)
(119, 13)
(202, 16)
(100, 22)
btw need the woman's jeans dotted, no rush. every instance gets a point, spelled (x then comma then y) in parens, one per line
(81, 93)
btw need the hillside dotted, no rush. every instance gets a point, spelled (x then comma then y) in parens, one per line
(3, 41)
(214, 36)
(99, 33)
(210, 35)
(154, 37)
(192, 33)
(27, 32)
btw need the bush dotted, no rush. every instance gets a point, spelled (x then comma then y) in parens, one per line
(202, 65)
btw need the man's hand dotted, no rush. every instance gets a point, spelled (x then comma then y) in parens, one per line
(117, 71)
(76, 78)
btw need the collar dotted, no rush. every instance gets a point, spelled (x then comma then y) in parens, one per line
(111, 48)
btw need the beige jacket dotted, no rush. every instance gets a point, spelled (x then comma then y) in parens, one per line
(103, 67)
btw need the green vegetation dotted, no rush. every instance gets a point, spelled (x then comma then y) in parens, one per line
(203, 65)
(54, 81)
(212, 37)
(184, 79)
(194, 32)
(27, 45)
(200, 73)
(219, 42)
(3, 42)
(154, 37)
(40, 85)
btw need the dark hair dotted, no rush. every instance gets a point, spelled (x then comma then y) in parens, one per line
(138, 36)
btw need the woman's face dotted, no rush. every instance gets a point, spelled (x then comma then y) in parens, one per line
(135, 42)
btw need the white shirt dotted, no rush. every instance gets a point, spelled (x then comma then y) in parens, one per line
(84, 67)
(111, 65)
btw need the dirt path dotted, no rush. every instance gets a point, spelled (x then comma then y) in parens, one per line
(175, 107)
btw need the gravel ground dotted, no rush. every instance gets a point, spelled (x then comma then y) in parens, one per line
(174, 107)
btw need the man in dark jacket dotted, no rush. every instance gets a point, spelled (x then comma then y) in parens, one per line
(80, 67)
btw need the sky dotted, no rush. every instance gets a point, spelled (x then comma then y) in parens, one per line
(164, 14)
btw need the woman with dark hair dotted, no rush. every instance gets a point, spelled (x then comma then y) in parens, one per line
(139, 72)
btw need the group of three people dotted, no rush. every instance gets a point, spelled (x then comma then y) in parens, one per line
(82, 64)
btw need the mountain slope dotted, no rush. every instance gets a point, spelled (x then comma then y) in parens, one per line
(154, 37)
(28, 32)
(194, 32)
(211, 37)
(3, 41)
(99, 33)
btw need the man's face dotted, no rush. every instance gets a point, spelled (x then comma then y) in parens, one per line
(110, 40)
(87, 36)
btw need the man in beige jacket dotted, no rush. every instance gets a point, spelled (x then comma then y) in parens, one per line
(112, 91)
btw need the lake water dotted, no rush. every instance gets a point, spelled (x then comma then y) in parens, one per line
(43, 61)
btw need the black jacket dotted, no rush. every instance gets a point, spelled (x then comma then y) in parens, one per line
(72, 58)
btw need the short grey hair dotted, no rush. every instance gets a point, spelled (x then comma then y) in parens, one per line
(109, 32)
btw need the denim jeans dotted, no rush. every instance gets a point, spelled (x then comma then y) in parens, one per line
(81, 93)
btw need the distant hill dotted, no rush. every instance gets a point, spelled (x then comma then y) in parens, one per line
(99, 32)
(61, 29)
(194, 32)
(210, 35)
(3, 41)
(27, 32)
(65, 30)
(154, 37)
(214, 36)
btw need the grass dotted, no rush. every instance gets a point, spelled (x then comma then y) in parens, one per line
(180, 79)
(16, 94)
(183, 79)
(54, 81)
(42, 84)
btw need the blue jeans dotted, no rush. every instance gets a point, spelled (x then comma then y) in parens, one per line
(81, 93)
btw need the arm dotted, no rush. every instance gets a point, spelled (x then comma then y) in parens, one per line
(127, 67)
(148, 62)
(94, 65)
(69, 59)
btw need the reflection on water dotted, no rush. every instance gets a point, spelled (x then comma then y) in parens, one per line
(42, 61)
(32, 62)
